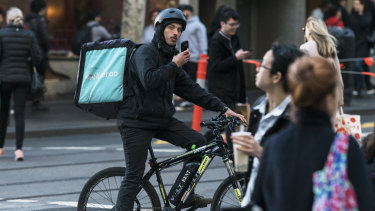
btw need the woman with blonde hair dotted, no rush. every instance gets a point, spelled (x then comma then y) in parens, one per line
(321, 43)
(18, 52)
(292, 156)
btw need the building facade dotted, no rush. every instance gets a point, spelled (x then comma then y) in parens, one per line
(263, 22)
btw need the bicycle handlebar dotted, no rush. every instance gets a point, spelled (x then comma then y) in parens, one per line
(221, 122)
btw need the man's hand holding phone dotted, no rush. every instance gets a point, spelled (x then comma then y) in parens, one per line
(241, 54)
(183, 57)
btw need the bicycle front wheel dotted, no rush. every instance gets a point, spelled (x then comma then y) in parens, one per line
(226, 196)
(101, 190)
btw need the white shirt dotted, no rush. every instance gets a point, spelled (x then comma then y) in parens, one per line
(266, 122)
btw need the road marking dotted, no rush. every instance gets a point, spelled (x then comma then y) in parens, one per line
(368, 125)
(91, 205)
(168, 150)
(22, 201)
(64, 203)
(74, 148)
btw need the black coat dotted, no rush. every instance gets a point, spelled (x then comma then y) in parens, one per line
(284, 180)
(154, 78)
(18, 51)
(225, 72)
(361, 25)
(38, 25)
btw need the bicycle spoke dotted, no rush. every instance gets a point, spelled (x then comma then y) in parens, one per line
(110, 191)
(230, 195)
(105, 192)
(103, 195)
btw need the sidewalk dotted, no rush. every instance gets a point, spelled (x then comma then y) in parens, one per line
(64, 118)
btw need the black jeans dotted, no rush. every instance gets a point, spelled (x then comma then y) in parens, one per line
(136, 142)
(20, 92)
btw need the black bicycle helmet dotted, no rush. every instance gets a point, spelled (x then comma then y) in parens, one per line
(170, 15)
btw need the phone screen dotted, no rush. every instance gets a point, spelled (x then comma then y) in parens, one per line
(184, 45)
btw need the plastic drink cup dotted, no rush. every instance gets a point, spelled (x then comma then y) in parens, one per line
(241, 159)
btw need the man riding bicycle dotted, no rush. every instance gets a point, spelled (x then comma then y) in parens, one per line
(154, 75)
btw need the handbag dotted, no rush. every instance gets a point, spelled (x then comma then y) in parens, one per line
(331, 186)
(37, 88)
(348, 124)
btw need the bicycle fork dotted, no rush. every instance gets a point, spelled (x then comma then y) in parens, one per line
(202, 168)
(233, 176)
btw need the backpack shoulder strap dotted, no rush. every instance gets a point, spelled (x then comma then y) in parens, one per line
(129, 82)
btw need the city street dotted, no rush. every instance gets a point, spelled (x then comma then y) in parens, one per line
(65, 146)
(56, 168)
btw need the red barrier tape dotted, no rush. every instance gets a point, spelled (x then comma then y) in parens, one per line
(359, 73)
(250, 61)
(368, 73)
(368, 60)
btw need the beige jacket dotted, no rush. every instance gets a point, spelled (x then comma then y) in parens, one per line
(310, 48)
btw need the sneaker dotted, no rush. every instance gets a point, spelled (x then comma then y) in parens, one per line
(18, 155)
(185, 106)
(1, 152)
(370, 91)
(355, 93)
(197, 201)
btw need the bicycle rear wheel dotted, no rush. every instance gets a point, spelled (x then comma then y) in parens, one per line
(225, 196)
(101, 190)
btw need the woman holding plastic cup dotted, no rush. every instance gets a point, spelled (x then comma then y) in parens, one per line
(292, 157)
(270, 112)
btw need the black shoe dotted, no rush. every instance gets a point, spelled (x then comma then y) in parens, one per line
(197, 201)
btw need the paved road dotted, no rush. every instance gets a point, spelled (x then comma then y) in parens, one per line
(57, 167)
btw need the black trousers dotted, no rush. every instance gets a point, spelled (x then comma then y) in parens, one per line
(136, 142)
(20, 92)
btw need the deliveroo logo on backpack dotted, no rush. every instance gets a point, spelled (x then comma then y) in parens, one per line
(103, 76)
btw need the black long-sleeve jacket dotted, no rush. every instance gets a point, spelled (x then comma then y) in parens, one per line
(154, 78)
(38, 25)
(290, 158)
(225, 72)
(18, 50)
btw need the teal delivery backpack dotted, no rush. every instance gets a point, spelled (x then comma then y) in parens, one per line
(102, 84)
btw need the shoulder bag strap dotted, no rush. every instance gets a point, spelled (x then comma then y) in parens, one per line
(337, 156)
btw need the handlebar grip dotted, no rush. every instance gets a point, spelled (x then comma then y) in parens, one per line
(208, 123)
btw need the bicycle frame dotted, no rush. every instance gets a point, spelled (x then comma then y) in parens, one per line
(209, 151)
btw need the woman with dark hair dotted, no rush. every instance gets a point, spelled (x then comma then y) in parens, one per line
(291, 157)
(19, 48)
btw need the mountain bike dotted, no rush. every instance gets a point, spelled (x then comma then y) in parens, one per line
(100, 191)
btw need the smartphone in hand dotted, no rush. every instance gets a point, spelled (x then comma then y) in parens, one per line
(184, 45)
